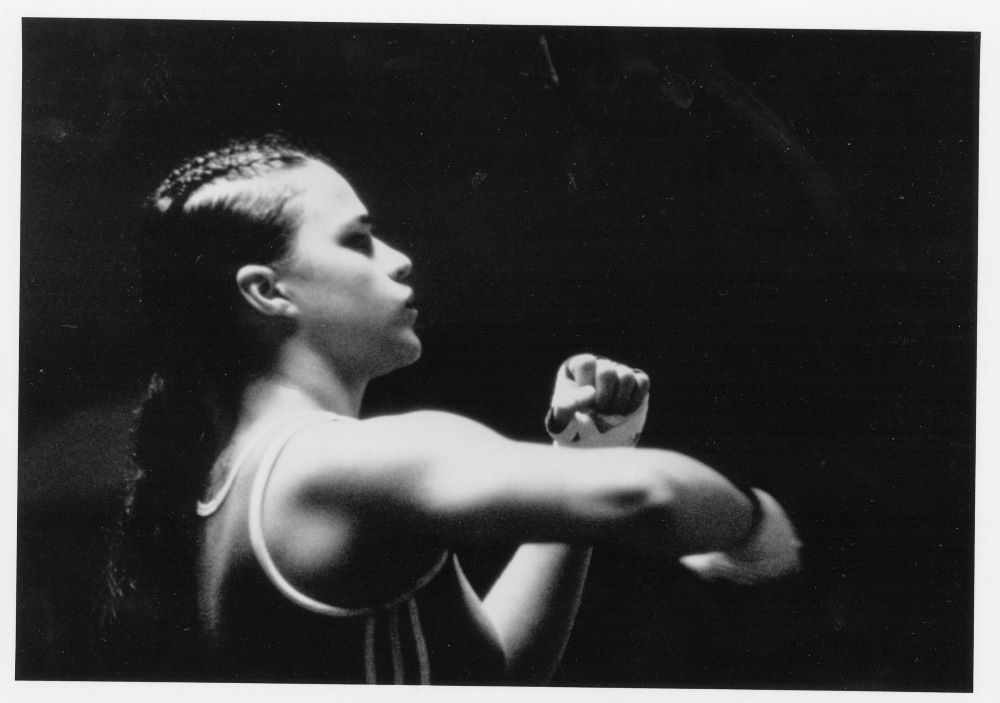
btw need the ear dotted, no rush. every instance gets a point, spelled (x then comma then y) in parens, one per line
(259, 287)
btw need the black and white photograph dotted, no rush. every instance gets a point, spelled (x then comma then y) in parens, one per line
(589, 356)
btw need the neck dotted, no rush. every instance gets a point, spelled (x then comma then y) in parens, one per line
(300, 379)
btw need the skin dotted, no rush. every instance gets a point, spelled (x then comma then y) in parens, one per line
(346, 499)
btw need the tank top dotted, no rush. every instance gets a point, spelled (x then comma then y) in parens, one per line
(387, 639)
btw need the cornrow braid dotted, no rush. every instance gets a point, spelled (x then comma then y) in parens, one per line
(188, 255)
(238, 159)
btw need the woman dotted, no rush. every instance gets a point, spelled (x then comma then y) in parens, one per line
(321, 541)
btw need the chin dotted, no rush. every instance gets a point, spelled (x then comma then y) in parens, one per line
(403, 354)
(414, 351)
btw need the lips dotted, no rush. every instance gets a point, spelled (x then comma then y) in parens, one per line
(409, 309)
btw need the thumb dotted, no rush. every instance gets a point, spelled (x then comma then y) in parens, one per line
(570, 400)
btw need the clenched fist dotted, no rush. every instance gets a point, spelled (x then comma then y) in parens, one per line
(597, 402)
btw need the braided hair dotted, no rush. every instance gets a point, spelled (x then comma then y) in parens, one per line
(193, 239)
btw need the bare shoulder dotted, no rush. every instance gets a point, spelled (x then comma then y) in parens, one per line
(421, 426)
(344, 500)
(385, 436)
(380, 457)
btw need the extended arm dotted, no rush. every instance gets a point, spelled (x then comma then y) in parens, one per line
(454, 480)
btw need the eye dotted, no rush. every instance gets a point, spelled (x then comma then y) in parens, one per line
(360, 242)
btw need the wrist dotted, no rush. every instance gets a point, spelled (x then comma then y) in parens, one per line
(598, 430)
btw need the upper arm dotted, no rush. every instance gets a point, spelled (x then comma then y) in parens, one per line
(453, 479)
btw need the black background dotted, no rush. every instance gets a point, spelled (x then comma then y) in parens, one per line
(779, 226)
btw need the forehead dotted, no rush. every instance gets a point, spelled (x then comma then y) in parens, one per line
(321, 199)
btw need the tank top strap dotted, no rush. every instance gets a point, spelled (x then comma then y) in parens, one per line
(251, 444)
(272, 453)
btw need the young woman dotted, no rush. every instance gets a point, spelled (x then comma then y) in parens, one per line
(301, 543)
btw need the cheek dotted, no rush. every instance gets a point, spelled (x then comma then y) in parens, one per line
(336, 282)
(326, 275)
(345, 292)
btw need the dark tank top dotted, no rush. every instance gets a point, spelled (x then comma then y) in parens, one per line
(261, 628)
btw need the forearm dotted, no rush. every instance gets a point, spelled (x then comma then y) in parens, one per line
(705, 511)
(533, 605)
(654, 501)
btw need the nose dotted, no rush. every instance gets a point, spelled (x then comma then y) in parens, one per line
(399, 264)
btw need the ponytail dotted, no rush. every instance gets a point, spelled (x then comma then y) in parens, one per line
(188, 255)
(151, 622)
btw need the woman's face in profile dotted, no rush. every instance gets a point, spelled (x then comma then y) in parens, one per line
(347, 286)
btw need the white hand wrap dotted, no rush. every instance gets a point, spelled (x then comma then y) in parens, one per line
(771, 552)
(593, 430)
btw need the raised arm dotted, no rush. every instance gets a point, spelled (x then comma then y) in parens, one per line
(534, 601)
(453, 479)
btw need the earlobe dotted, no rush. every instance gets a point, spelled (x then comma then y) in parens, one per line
(260, 288)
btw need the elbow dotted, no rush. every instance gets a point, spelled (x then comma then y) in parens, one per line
(520, 673)
(643, 501)
(642, 508)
